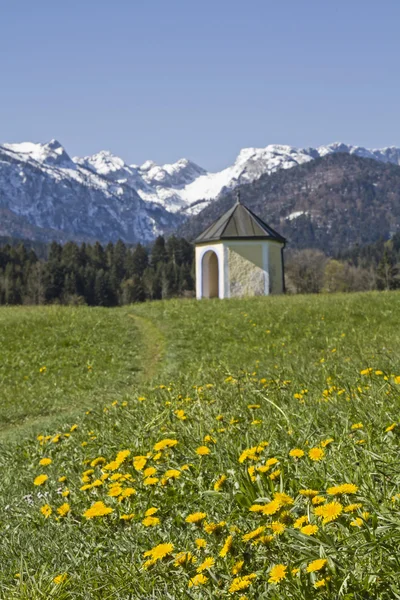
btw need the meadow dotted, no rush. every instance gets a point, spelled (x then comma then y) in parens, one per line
(244, 449)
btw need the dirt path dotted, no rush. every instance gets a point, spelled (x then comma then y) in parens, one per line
(154, 346)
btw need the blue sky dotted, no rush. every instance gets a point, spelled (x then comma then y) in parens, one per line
(199, 79)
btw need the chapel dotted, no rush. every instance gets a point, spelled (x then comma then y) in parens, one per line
(239, 255)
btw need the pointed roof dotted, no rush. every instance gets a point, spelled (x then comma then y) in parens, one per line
(239, 222)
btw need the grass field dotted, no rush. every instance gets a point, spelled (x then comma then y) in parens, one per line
(182, 449)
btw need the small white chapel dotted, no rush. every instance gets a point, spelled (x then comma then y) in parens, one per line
(239, 255)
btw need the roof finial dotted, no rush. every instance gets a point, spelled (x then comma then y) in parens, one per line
(237, 196)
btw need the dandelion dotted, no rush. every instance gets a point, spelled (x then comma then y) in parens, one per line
(226, 547)
(149, 471)
(139, 462)
(277, 573)
(391, 427)
(345, 488)
(127, 517)
(219, 483)
(318, 500)
(309, 529)
(46, 510)
(151, 481)
(357, 522)
(253, 534)
(283, 499)
(237, 567)
(296, 453)
(310, 493)
(159, 552)
(45, 462)
(319, 583)
(200, 542)
(180, 414)
(60, 578)
(316, 565)
(195, 517)
(98, 509)
(151, 521)
(40, 480)
(202, 450)
(167, 443)
(213, 527)
(277, 527)
(316, 454)
(206, 564)
(329, 512)
(352, 507)
(198, 579)
(357, 426)
(271, 507)
(241, 583)
(64, 509)
(300, 522)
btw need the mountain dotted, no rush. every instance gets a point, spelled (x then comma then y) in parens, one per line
(331, 203)
(45, 194)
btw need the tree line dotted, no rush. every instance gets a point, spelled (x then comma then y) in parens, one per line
(96, 275)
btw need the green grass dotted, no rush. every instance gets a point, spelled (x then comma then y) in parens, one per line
(298, 359)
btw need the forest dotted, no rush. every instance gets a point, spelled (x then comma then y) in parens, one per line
(119, 274)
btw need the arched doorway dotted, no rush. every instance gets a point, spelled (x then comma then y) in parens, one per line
(210, 275)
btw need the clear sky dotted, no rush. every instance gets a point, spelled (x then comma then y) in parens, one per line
(199, 79)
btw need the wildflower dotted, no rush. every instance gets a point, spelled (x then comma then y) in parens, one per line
(167, 443)
(329, 512)
(253, 534)
(310, 493)
(352, 507)
(296, 453)
(226, 547)
(298, 524)
(253, 406)
(64, 509)
(319, 583)
(45, 462)
(159, 552)
(98, 509)
(357, 426)
(241, 583)
(139, 463)
(180, 414)
(198, 579)
(275, 474)
(391, 427)
(60, 578)
(283, 499)
(206, 564)
(151, 521)
(46, 510)
(184, 557)
(149, 471)
(200, 542)
(295, 571)
(213, 527)
(357, 522)
(249, 453)
(366, 371)
(151, 481)
(40, 480)
(127, 517)
(277, 573)
(309, 529)
(316, 565)
(345, 488)
(237, 567)
(62, 479)
(271, 507)
(202, 450)
(316, 453)
(219, 483)
(97, 461)
(195, 517)
(318, 500)
(277, 527)
(115, 490)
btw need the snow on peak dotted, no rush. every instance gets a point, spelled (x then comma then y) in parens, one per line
(51, 154)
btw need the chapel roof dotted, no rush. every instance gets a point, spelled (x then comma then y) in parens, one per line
(239, 222)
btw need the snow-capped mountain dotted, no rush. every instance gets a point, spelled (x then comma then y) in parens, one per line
(102, 197)
(42, 186)
(184, 186)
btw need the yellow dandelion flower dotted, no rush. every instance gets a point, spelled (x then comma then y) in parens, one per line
(329, 512)
(45, 462)
(60, 578)
(151, 521)
(316, 454)
(151, 481)
(139, 462)
(309, 529)
(97, 461)
(159, 552)
(275, 474)
(202, 450)
(271, 507)
(253, 534)
(206, 564)
(300, 522)
(64, 509)
(149, 471)
(219, 483)
(310, 493)
(195, 517)
(127, 517)
(213, 527)
(180, 414)
(167, 443)
(199, 579)
(358, 522)
(46, 510)
(391, 427)
(320, 583)
(241, 583)
(277, 573)
(326, 442)
(345, 488)
(226, 547)
(237, 567)
(277, 527)
(283, 499)
(200, 542)
(316, 565)
(40, 480)
(318, 500)
(115, 490)
(352, 507)
(296, 453)
(357, 426)
(98, 509)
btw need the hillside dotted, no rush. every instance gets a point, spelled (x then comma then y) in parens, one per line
(201, 450)
(330, 203)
